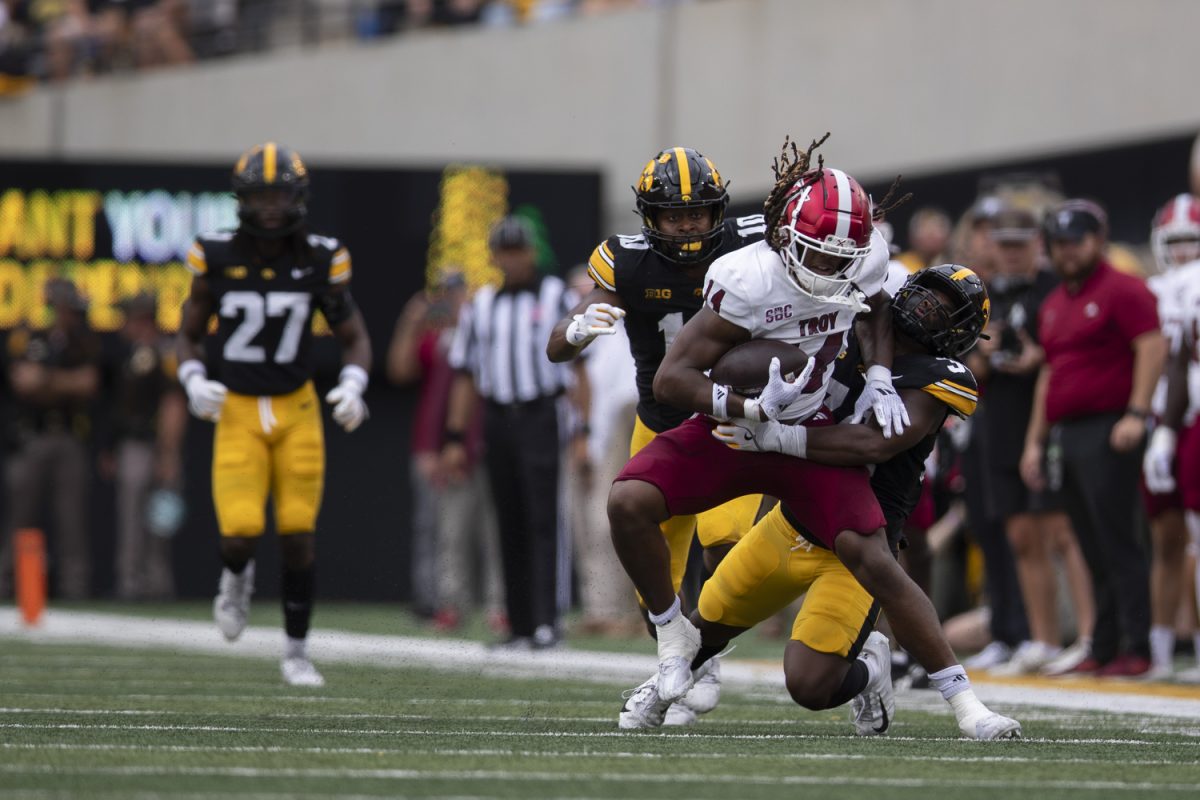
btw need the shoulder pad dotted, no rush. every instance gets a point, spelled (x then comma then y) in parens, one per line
(946, 379)
(748, 229)
(605, 259)
(328, 243)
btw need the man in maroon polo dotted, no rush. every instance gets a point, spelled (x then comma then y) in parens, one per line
(1104, 353)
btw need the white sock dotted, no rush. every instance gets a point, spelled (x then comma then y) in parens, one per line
(1162, 646)
(951, 681)
(295, 648)
(965, 703)
(666, 616)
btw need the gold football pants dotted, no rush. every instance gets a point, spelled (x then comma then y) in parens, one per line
(269, 445)
(724, 524)
(772, 566)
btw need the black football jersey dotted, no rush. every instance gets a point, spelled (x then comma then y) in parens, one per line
(897, 482)
(658, 298)
(264, 309)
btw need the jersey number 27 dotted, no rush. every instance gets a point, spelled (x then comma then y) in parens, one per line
(254, 308)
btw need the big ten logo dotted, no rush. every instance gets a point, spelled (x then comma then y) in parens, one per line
(658, 294)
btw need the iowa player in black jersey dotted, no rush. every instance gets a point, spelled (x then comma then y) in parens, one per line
(263, 282)
(834, 657)
(654, 281)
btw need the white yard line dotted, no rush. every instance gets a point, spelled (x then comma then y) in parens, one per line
(75, 627)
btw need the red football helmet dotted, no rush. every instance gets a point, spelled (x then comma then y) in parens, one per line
(827, 212)
(1175, 232)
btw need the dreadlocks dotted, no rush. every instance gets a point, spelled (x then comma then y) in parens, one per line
(788, 168)
(887, 204)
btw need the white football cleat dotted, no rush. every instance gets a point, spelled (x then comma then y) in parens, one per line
(706, 690)
(643, 708)
(231, 608)
(299, 671)
(874, 708)
(678, 643)
(679, 715)
(1027, 659)
(981, 723)
(995, 654)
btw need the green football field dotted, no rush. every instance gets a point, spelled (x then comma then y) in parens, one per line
(101, 721)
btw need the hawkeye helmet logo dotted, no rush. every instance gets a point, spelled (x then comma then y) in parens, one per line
(236, 273)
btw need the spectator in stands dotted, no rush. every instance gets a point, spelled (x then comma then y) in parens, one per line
(158, 32)
(1007, 365)
(454, 523)
(149, 419)
(54, 375)
(498, 355)
(1104, 353)
(928, 238)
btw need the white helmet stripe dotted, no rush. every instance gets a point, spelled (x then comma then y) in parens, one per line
(844, 200)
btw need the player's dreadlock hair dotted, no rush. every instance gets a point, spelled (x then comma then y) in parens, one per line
(788, 167)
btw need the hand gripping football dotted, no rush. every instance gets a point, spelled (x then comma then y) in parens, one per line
(745, 368)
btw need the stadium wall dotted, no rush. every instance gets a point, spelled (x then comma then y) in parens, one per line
(916, 86)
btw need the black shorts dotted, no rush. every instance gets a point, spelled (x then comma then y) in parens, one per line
(1011, 496)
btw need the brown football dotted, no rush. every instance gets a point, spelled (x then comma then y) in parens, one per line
(746, 367)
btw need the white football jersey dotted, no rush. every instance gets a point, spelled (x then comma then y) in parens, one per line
(1182, 289)
(750, 288)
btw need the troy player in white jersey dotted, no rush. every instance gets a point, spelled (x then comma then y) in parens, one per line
(1172, 460)
(805, 286)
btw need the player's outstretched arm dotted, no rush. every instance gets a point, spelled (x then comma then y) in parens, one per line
(680, 380)
(596, 315)
(879, 397)
(839, 445)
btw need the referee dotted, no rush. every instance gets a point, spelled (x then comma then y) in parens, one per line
(498, 353)
(1104, 353)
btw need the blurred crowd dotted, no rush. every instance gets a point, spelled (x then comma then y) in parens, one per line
(54, 40)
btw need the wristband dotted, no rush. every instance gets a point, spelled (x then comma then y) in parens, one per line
(720, 401)
(1137, 412)
(576, 334)
(793, 440)
(353, 373)
(879, 373)
(752, 411)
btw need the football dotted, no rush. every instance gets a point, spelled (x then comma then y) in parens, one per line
(746, 367)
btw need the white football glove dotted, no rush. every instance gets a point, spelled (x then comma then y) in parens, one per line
(349, 410)
(1156, 464)
(778, 393)
(205, 397)
(763, 437)
(598, 319)
(880, 397)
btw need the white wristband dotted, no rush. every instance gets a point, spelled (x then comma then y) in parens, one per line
(752, 411)
(190, 369)
(879, 373)
(353, 373)
(720, 401)
(793, 440)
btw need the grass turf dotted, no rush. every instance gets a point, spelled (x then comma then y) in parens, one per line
(95, 721)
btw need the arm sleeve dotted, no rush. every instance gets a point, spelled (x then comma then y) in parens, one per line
(196, 262)
(601, 267)
(339, 266)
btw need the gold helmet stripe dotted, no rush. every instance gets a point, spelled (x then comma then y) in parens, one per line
(270, 154)
(685, 174)
(965, 272)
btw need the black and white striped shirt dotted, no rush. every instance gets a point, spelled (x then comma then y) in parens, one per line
(501, 340)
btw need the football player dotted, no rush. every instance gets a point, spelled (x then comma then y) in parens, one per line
(1175, 242)
(654, 281)
(938, 315)
(820, 266)
(263, 282)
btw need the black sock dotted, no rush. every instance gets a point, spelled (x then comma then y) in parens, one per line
(853, 684)
(706, 652)
(297, 601)
(236, 565)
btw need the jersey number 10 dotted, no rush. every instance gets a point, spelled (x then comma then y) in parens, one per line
(254, 309)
